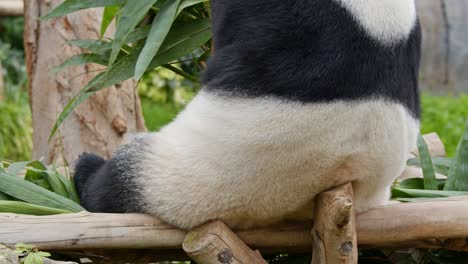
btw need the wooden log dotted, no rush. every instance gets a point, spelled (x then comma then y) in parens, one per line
(215, 243)
(334, 231)
(11, 8)
(427, 224)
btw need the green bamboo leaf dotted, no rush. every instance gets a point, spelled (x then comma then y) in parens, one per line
(77, 100)
(70, 6)
(81, 59)
(35, 164)
(188, 3)
(430, 181)
(102, 47)
(17, 167)
(183, 39)
(31, 193)
(4, 197)
(109, 14)
(458, 175)
(160, 28)
(418, 183)
(92, 45)
(441, 164)
(38, 177)
(56, 184)
(413, 193)
(132, 13)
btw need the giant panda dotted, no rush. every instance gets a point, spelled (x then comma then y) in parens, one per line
(300, 96)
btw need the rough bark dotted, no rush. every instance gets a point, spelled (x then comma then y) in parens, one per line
(445, 54)
(101, 123)
(11, 7)
(334, 231)
(215, 243)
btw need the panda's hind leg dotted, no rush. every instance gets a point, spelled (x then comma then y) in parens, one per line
(86, 166)
(108, 186)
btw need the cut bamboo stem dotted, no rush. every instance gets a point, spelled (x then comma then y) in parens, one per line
(334, 231)
(429, 224)
(215, 243)
(11, 8)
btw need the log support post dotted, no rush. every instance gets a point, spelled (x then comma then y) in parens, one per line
(215, 243)
(334, 230)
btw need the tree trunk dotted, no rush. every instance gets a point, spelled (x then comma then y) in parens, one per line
(445, 54)
(101, 123)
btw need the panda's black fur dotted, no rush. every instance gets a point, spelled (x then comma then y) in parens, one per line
(298, 52)
(309, 51)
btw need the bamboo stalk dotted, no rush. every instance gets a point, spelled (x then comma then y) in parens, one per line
(334, 231)
(215, 243)
(429, 224)
(11, 8)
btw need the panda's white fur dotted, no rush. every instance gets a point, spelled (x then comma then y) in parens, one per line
(254, 161)
(254, 155)
(388, 21)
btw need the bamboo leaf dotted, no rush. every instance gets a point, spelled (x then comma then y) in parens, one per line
(132, 13)
(188, 3)
(441, 164)
(82, 95)
(430, 181)
(16, 167)
(418, 183)
(16, 207)
(4, 197)
(160, 28)
(70, 6)
(413, 193)
(57, 185)
(109, 14)
(31, 193)
(183, 39)
(81, 59)
(458, 175)
(93, 45)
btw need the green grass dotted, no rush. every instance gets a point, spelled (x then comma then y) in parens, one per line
(15, 131)
(158, 114)
(445, 115)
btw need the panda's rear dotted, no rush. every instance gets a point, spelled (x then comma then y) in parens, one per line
(300, 96)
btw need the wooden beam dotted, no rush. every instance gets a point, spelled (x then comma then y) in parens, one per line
(215, 243)
(334, 231)
(11, 8)
(429, 224)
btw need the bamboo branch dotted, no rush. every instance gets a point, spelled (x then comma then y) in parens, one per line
(430, 224)
(215, 243)
(11, 8)
(334, 231)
